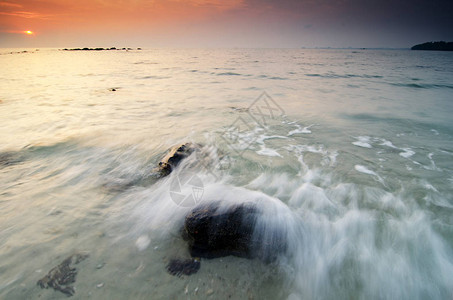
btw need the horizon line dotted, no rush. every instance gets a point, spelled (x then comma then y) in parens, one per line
(208, 47)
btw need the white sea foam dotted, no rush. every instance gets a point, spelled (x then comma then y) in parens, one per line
(261, 138)
(429, 186)
(363, 141)
(365, 170)
(332, 158)
(433, 165)
(142, 242)
(309, 196)
(362, 144)
(408, 152)
(388, 144)
(268, 152)
(299, 129)
(366, 141)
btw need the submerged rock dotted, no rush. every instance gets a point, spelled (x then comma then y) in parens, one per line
(213, 231)
(62, 276)
(178, 267)
(10, 158)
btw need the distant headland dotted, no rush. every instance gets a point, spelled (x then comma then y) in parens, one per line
(439, 46)
(99, 49)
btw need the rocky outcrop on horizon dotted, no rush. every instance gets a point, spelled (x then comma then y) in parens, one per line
(98, 49)
(437, 46)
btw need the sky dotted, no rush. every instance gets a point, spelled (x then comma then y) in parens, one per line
(223, 23)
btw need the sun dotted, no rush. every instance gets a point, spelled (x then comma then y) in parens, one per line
(29, 32)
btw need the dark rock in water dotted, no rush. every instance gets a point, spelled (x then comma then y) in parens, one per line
(10, 158)
(240, 109)
(62, 276)
(166, 165)
(178, 267)
(174, 157)
(95, 49)
(213, 231)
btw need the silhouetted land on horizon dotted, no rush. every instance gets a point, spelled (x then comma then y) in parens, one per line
(439, 46)
(98, 49)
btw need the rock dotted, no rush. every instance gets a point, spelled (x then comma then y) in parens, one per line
(95, 49)
(239, 109)
(100, 266)
(209, 292)
(178, 267)
(10, 158)
(213, 231)
(165, 166)
(174, 157)
(62, 276)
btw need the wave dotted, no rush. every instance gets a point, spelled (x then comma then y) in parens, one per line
(228, 74)
(414, 125)
(154, 77)
(333, 75)
(423, 85)
(273, 77)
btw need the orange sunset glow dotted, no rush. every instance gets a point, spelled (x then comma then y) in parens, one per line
(219, 23)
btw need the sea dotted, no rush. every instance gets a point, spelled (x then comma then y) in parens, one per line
(348, 151)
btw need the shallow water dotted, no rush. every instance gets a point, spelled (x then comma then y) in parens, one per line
(350, 151)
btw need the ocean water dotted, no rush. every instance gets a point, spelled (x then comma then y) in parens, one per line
(349, 151)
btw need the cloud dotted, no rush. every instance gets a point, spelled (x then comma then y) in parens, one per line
(218, 4)
(12, 31)
(8, 4)
(26, 14)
